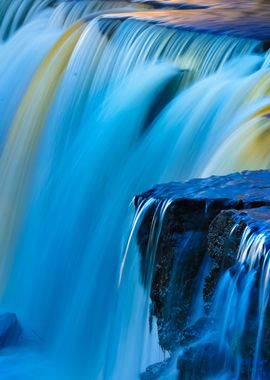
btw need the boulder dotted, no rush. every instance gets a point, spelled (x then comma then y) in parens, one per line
(198, 239)
(10, 330)
(182, 259)
(224, 237)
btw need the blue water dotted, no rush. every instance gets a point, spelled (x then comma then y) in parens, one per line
(114, 108)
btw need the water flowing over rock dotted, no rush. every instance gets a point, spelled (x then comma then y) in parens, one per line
(214, 240)
(99, 100)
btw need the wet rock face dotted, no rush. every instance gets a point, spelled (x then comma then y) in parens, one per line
(156, 371)
(224, 238)
(184, 240)
(181, 250)
(199, 240)
(204, 361)
(248, 189)
(222, 248)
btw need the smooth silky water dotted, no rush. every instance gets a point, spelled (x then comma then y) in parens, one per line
(236, 292)
(95, 109)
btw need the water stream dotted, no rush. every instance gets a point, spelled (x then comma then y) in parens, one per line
(95, 109)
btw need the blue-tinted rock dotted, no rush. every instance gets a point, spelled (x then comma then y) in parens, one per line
(182, 256)
(10, 330)
(196, 245)
(223, 245)
(155, 371)
(247, 189)
(205, 361)
(224, 237)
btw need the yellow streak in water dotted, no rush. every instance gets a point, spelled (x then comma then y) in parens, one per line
(253, 152)
(262, 112)
(247, 148)
(18, 156)
(261, 88)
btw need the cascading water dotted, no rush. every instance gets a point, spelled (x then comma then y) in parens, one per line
(95, 108)
(236, 291)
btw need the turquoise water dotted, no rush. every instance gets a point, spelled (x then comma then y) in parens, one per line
(95, 109)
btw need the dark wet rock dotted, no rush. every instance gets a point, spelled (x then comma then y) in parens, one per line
(248, 189)
(224, 237)
(10, 330)
(199, 240)
(193, 333)
(204, 360)
(156, 371)
(223, 246)
(226, 231)
(188, 229)
(225, 234)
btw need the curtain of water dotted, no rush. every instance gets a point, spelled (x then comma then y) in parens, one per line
(94, 111)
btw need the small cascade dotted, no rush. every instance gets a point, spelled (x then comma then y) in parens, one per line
(63, 14)
(241, 300)
(210, 282)
(135, 285)
(15, 14)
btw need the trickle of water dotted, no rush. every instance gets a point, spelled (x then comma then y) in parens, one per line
(235, 300)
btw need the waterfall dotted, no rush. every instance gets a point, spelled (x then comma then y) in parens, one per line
(96, 106)
(236, 291)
